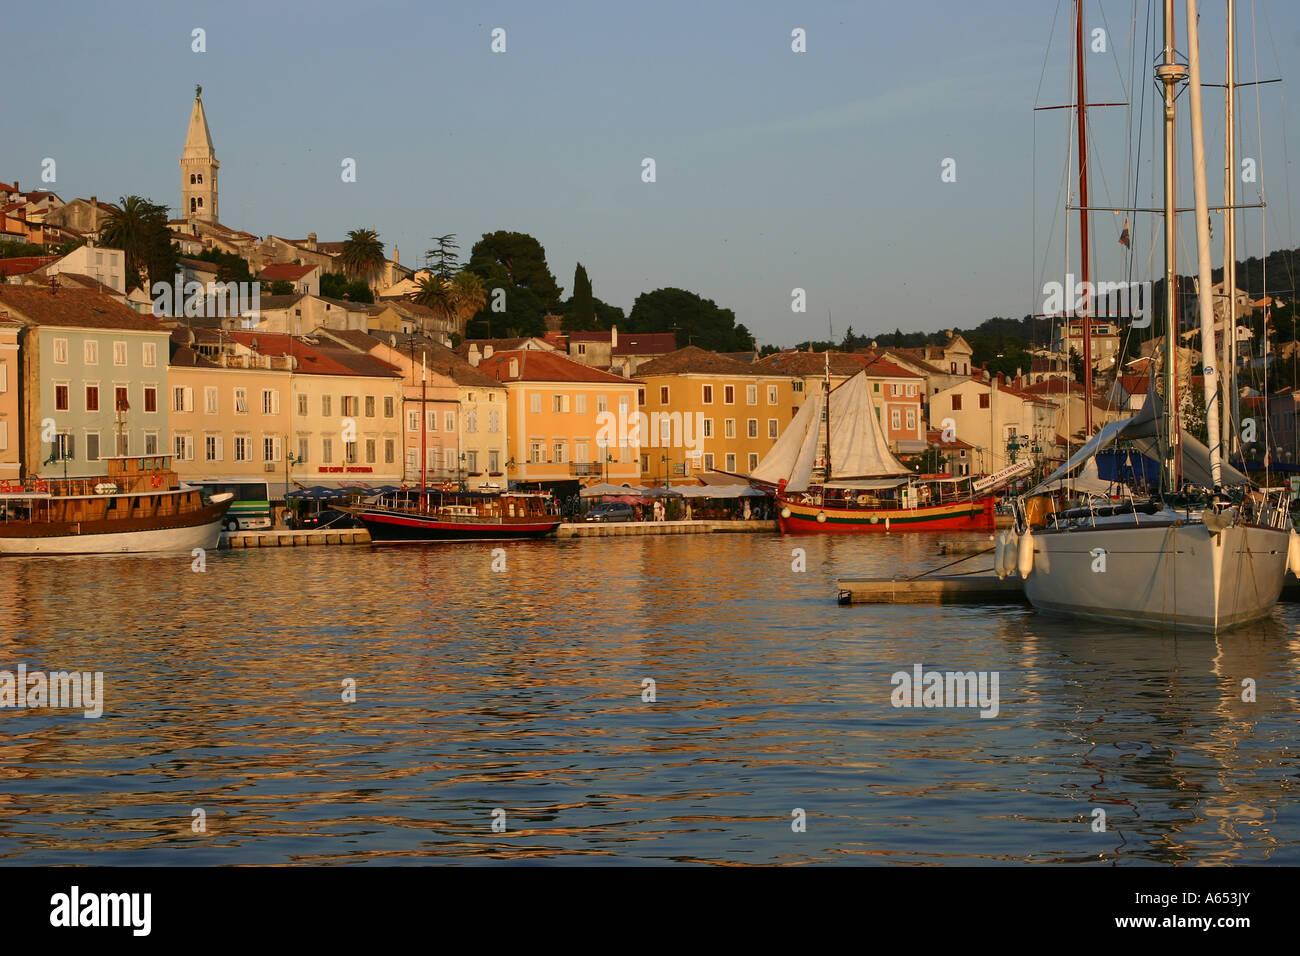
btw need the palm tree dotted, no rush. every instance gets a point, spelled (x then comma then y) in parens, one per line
(363, 255)
(435, 294)
(139, 228)
(468, 296)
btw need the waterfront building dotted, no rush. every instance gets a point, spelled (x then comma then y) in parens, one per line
(10, 409)
(897, 393)
(566, 423)
(620, 352)
(730, 412)
(229, 414)
(343, 424)
(1002, 422)
(93, 382)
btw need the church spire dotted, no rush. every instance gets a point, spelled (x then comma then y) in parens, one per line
(199, 166)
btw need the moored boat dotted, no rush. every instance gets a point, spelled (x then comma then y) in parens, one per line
(833, 472)
(139, 506)
(411, 518)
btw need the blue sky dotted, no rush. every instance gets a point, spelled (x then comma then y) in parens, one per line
(775, 169)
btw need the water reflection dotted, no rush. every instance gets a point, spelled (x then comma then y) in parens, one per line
(522, 690)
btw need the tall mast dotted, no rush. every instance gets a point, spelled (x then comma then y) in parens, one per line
(826, 410)
(1085, 307)
(1206, 293)
(424, 432)
(1170, 72)
(1232, 444)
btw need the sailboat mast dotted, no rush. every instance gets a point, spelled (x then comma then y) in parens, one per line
(1230, 243)
(1206, 295)
(826, 392)
(1084, 307)
(424, 431)
(1170, 72)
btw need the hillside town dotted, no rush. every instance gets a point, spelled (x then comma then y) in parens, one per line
(284, 384)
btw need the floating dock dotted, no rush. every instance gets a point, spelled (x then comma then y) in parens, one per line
(285, 538)
(603, 529)
(932, 589)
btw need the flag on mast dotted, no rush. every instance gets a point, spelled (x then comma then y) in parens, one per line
(1124, 239)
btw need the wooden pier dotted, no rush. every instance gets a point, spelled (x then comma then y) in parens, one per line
(285, 538)
(932, 589)
(603, 529)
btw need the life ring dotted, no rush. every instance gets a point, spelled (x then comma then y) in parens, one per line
(5, 487)
(155, 481)
(40, 484)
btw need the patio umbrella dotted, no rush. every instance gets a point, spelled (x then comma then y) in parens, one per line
(599, 490)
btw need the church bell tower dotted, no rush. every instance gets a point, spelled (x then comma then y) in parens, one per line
(199, 167)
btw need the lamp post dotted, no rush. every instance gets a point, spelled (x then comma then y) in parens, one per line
(460, 473)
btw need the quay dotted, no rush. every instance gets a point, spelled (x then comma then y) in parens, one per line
(932, 589)
(286, 538)
(602, 529)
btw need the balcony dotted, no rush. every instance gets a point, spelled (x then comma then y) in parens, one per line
(584, 469)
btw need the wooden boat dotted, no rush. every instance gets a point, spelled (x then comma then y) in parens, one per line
(140, 505)
(413, 518)
(833, 472)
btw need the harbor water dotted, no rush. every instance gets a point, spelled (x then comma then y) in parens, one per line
(696, 698)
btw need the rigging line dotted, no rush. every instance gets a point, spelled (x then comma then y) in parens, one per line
(1286, 159)
(1047, 53)
(1263, 231)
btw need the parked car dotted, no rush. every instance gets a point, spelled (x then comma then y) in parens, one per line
(611, 511)
(327, 518)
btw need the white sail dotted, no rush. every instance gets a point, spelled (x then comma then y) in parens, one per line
(858, 446)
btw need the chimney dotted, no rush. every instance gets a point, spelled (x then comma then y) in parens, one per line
(473, 356)
(487, 351)
(311, 241)
(94, 202)
(514, 368)
(613, 337)
(397, 256)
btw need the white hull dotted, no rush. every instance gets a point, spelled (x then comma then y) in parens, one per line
(1160, 575)
(204, 536)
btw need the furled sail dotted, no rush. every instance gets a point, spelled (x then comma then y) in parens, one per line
(858, 446)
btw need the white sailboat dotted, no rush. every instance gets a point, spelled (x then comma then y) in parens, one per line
(1210, 551)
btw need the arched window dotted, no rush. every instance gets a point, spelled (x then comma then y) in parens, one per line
(191, 179)
(200, 200)
(192, 204)
(200, 177)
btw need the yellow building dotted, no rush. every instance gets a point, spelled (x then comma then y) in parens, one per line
(728, 414)
(228, 416)
(470, 445)
(10, 411)
(563, 419)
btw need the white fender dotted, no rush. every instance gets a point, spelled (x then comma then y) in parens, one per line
(1293, 553)
(999, 548)
(1026, 550)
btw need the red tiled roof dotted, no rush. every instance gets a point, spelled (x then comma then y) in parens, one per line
(1135, 384)
(935, 437)
(793, 362)
(284, 270)
(645, 343)
(73, 308)
(1053, 386)
(878, 367)
(536, 365)
(314, 359)
(21, 265)
(693, 359)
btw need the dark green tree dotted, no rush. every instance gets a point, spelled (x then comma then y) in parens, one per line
(581, 313)
(697, 321)
(515, 259)
(335, 285)
(444, 259)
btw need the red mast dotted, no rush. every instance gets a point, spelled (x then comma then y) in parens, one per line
(1085, 307)
(424, 457)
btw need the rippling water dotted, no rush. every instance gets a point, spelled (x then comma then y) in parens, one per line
(522, 691)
